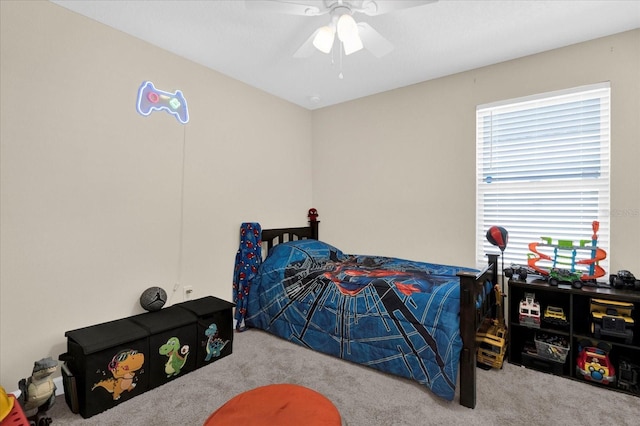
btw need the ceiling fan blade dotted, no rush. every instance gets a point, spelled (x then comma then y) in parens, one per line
(300, 7)
(373, 41)
(380, 7)
(307, 49)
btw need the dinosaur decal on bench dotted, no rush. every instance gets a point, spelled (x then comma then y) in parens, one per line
(214, 344)
(123, 367)
(177, 356)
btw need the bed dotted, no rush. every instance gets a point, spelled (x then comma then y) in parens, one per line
(412, 319)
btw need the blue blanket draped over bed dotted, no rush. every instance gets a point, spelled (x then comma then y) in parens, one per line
(391, 314)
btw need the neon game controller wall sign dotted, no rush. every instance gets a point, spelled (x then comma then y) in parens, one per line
(150, 99)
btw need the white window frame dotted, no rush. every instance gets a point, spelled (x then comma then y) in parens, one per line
(544, 180)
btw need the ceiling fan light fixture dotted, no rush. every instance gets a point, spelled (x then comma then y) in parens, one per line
(348, 34)
(323, 41)
(352, 45)
(347, 27)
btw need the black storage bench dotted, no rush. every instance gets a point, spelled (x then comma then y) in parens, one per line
(215, 327)
(112, 362)
(172, 343)
(109, 362)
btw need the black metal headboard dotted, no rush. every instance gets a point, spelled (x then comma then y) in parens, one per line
(272, 237)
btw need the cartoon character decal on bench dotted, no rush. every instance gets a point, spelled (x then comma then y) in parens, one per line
(214, 344)
(123, 367)
(177, 356)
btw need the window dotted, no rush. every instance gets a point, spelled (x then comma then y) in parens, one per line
(543, 175)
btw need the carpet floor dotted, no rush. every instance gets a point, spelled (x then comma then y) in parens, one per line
(365, 397)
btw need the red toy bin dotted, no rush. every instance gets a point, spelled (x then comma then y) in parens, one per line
(16, 416)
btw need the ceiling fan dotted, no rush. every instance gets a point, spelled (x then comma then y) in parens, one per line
(351, 35)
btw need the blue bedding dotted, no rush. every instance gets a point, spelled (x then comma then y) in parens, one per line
(395, 315)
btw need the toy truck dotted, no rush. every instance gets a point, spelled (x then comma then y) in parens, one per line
(625, 280)
(612, 318)
(593, 364)
(629, 375)
(561, 275)
(492, 345)
(517, 270)
(529, 311)
(491, 339)
(554, 316)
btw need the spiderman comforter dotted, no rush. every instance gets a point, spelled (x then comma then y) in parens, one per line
(395, 315)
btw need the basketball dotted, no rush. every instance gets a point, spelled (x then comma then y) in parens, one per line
(153, 299)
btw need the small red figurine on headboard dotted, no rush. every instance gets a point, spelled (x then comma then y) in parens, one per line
(313, 215)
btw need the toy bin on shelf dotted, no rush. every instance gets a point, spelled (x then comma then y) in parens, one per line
(550, 348)
(172, 343)
(215, 327)
(109, 362)
(11, 414)
(542, 364)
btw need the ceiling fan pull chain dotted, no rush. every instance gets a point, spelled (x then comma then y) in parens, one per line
(340, 75)
(333, 56)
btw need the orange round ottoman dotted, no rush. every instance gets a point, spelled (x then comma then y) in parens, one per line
(280, 404)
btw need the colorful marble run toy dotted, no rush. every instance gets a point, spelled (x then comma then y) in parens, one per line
(564, 254)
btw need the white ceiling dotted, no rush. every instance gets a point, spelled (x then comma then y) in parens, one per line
(431, 40)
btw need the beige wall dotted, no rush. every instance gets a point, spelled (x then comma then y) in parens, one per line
(395, 173)
(90, 201)
(91, 190)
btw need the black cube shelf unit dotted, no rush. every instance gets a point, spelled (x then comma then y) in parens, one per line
(576, 304)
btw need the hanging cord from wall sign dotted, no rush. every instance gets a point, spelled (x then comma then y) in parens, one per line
(178, 282)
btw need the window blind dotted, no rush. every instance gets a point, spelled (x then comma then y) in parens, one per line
(543, 171)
